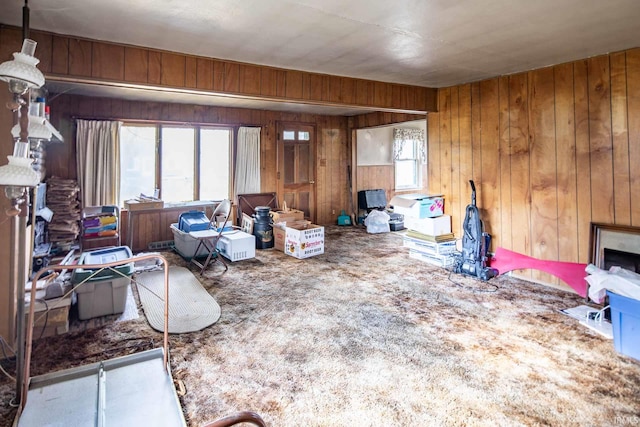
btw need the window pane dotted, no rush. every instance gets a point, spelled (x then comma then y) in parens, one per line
(289, 135)
(407, 174)
(303, 136)
(214, 164)
(289, 163)
(137, 161)
(177, 164)
(408, 150)
(303, 163)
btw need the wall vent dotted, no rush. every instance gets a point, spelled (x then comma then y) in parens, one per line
(164, 244)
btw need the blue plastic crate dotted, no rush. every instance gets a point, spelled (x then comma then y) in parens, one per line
(625, 319)
(193, 221)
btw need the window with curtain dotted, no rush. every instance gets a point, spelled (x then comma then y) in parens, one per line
(184, 163)
(97, 161)
(409, 154)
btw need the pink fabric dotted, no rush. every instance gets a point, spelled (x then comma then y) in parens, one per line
(572, 273)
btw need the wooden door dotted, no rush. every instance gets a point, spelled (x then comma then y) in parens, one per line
(296, 167)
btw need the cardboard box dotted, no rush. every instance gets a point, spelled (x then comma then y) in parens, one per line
(280, 233)
(430, 226)
(418, 205)
(279, 236)
(55, 322)
(137, 205)
(305, 241)
(289, 215)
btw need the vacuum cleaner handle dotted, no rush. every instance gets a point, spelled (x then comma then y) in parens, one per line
(473, 192)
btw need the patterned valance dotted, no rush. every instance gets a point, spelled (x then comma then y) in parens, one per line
(404, 136)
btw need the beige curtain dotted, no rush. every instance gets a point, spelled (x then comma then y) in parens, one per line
(98, 161)
(248, 161)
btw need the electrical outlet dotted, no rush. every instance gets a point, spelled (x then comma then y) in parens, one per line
(333, 212)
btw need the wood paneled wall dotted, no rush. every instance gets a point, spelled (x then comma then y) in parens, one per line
(77, 58)
(383, 176)
(332, 145)
(550, 151)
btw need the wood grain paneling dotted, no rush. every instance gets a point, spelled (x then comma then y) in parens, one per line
(136, 65)
(620, 134)
(204, 74)
(633, 114)
(601, 146)
(173, 69)
(551, 150)
(544, 214)
(566, 163)
(107, 61)
(583, 157)
(191, 72)
(60, 55)
(80, 57)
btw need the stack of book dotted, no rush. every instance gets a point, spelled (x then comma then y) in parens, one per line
(437, 250)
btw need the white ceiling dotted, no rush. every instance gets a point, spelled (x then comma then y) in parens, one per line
(431, 43)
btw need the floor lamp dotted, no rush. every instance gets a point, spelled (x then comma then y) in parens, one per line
(17, 177)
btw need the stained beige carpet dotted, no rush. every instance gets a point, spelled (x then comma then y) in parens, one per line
(364, 336)
(191, 307)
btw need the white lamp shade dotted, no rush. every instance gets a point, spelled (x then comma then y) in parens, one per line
(22, 69)
(37, 129)
(19, 173)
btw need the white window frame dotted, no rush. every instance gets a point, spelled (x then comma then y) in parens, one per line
(401, 140)
(197, 161)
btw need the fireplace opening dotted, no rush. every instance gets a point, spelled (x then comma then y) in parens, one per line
(626, 260)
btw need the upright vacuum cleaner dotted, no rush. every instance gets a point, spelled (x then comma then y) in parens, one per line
(475, 243)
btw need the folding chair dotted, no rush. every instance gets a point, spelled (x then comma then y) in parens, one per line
(208, 239)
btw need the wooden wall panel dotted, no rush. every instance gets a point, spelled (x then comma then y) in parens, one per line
(504, 171)
(620, 134)
(466, 156)
(633, 114)
(250, 79)
(191, 72)
(107, 61)
(551, 150)
(520, 172)
(566, 163)
(444, 106)
(583, 157)
(601, 146)
(204, 74)
(173, 69)
(433, 152)
(488, 187)
(154, 75)
(60, 55)
(453, 203)
(80, 57)
(11, 42)
(136, 65)
(544, 223)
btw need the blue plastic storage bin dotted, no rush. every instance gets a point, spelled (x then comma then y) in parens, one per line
(625, 319)
(193, 221)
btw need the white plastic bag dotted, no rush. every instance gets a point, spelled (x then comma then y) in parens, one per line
(622, 282)
(377, 222)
